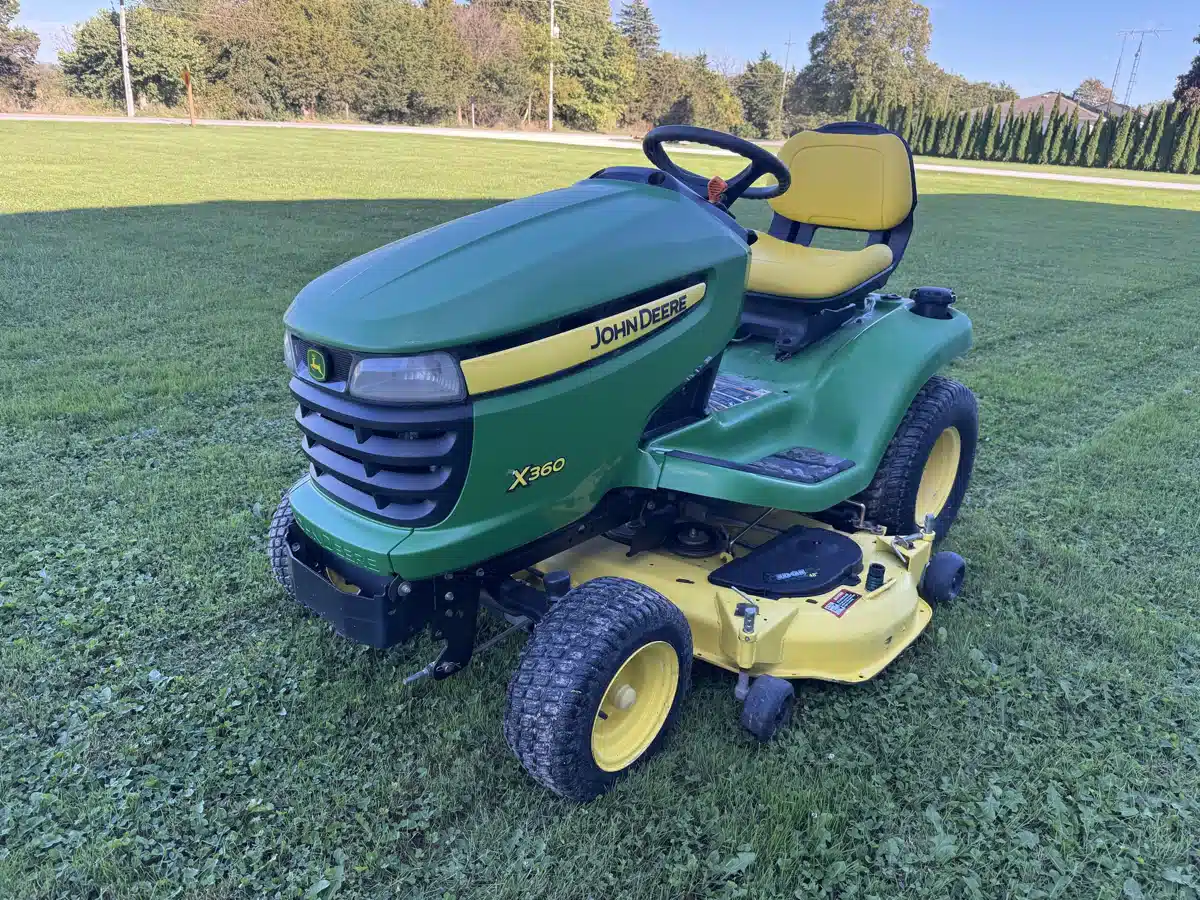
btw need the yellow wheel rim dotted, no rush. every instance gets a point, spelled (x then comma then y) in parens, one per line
(941, 470)
(635, 706)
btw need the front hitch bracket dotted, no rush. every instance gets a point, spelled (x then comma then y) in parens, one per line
(455, 607)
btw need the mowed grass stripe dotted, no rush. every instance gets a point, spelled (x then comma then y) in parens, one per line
(1118, 364)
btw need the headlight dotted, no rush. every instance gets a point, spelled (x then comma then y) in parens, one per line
(289, 352)
(432, 378)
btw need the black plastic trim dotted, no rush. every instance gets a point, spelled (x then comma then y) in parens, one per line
(801, 465)
(375, 448)
(776, 318)
(688, 403)
(377, 616)
(802, 562)
(403, 465)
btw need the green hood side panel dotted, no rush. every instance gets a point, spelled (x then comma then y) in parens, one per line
(844, 396)
(350, 535)
(509, 268)
(592, 419)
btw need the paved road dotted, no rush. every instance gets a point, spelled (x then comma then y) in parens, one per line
(588, 140)
(1063, 176)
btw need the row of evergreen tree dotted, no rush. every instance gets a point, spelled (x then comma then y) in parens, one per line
(1167, 139)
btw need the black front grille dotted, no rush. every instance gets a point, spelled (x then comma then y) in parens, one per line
(340, 361)
(405, 465)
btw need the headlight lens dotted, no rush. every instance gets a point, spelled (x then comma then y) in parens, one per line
(432, 378)
(289, 352)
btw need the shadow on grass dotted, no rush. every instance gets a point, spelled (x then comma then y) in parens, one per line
(55, 260)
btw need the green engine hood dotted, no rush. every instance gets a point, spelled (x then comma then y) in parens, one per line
(511, 267)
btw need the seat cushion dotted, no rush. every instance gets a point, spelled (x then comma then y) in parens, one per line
(862, 182)
(808, 273)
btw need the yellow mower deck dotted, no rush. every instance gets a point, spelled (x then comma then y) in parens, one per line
(848, 634)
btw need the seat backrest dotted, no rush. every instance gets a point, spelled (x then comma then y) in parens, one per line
(848, 175)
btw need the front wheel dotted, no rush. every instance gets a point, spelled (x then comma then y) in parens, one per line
(599, 685)
(927, 466)
(277, 545)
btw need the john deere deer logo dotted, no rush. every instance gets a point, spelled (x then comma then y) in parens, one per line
(316, 364)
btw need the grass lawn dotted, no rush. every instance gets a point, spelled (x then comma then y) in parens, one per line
(171, 726)
(1063, 170)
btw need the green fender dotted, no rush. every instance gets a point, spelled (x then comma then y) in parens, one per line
(845, 396)
(351, 535)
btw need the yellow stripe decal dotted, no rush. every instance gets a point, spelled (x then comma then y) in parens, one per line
(539, 359)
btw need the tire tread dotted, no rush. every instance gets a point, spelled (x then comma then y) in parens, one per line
(277, 545)
(573, 654)
(888, 493)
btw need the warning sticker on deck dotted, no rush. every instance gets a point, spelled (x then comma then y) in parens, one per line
(840, 602)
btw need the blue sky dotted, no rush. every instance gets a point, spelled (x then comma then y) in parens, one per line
(1036, 45)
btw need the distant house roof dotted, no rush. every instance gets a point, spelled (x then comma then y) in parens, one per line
(1111, 108)
(1045, 102)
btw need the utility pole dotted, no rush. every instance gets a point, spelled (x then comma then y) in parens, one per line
(125, 61)
(787, 58)
(550, 104)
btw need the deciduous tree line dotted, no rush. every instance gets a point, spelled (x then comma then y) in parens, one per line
(487, 61)
(438, 61)
(18, 54)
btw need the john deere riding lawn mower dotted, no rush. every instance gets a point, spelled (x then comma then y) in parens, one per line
(619, 420)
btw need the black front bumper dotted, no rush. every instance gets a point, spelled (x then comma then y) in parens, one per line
(378, 616)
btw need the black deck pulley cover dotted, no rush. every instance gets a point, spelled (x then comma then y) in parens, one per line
(801, 562)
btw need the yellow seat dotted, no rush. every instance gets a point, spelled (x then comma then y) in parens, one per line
(808, 273)
(848, 176)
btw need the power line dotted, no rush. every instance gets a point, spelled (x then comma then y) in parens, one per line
(1137, 57)
(1112, 92)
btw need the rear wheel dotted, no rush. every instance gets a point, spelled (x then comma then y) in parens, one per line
(600, 683)
(927, 466)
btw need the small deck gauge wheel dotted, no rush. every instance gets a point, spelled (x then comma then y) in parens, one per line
(599, 685)
(942, 579)
(768, 707)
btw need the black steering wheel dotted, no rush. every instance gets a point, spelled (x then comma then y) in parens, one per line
(762, 162)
